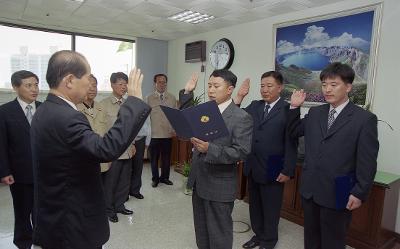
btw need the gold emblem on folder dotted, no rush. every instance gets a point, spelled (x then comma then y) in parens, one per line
(204, 119)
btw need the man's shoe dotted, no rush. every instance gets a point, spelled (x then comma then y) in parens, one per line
(113, 218)
(125, 211)
(251, 244)
(154, 184)
(137, 196)
(166, 181)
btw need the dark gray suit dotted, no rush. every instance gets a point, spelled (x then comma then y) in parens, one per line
(213, 176)
(69, 200)
(350, 145)
(269, 139)
(16, 160)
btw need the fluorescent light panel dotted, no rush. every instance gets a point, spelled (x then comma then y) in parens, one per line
(190, 16)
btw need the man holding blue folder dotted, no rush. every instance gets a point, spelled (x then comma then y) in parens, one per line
(272, 160)
(213, 173)
(341, 147)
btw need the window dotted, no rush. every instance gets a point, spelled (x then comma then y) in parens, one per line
(23, 49)
(106, 57)
(26, 49)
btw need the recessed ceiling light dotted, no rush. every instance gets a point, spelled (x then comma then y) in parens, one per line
(76, 1)
(189, 16)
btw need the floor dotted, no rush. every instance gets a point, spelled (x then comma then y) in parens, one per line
(162, 220)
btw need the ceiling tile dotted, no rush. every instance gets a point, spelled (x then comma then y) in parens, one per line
(156, 10)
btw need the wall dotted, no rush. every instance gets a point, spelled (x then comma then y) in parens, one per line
(253, 44)
(151, 58)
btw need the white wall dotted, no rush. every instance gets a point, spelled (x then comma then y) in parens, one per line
(253, 44)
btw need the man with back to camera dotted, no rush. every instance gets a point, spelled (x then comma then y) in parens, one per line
(69, 202)
(341, 142)
(271, 142)
(15, 152)
(161, 130)
(117, 178)
(213, 173)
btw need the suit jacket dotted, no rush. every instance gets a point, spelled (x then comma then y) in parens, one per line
(160, 126)
(98, 122)
(214, 174)
(110, 108)
(15, 143)
(270, 139)
(350, 145)
(69, 200)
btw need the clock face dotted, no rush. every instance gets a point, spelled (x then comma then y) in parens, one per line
(221, 54)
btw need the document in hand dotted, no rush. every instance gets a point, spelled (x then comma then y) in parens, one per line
(274, 166)
(343, 186)
(203, 121)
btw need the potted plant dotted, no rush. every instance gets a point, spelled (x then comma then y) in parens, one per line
(185, 172)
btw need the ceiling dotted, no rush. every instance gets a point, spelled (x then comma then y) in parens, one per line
(143, 18)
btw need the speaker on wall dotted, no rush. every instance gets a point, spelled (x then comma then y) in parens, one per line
(195, 51)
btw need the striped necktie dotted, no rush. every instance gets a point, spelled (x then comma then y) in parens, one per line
(331, 118)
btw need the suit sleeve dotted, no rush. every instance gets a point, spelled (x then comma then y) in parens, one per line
(290, 154)
(4, 161)
(82, 139)
(367, 153)
(239, 148)
(295, 124)
(185, 100)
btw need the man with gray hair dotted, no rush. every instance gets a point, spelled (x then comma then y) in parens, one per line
(70, 209)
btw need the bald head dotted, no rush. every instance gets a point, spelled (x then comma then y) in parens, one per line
(64, 63)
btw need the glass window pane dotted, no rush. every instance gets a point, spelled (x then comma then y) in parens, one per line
(23, 49)
(106, 57)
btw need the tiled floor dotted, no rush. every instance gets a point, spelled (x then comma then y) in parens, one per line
(162, 220)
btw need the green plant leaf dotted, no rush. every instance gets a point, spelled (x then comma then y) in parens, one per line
(123, 46)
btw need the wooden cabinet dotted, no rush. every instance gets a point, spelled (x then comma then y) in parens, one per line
(365, 230)
(181, 152)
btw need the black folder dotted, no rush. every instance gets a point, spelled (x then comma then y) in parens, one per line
(343, 186)
(274, 166)
(203, 121)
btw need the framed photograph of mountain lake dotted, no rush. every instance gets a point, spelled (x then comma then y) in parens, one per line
(303, 48)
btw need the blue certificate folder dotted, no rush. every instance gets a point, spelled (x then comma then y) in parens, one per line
(343, 186)
(203, 121)
(274, 166)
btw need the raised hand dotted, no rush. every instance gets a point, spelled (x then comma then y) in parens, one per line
(191, 83)
(298, 98)
(243, 91)
(135, 83)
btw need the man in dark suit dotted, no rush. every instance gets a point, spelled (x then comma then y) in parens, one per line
(70, 208)
(15, 152)
(272, 160)
(341, 142)
(213, 173)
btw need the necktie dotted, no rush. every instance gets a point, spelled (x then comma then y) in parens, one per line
(119, 102)
(331, 118)
(29, 113)
(266, 109)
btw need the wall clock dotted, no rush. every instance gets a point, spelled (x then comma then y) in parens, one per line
(222, 54)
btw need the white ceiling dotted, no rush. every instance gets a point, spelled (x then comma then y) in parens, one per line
(143, 18)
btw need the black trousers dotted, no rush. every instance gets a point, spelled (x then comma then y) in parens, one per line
(324, 228)
(116, 185)
(265, 202)
(137, 167)
(22, 195)
(160, 147)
